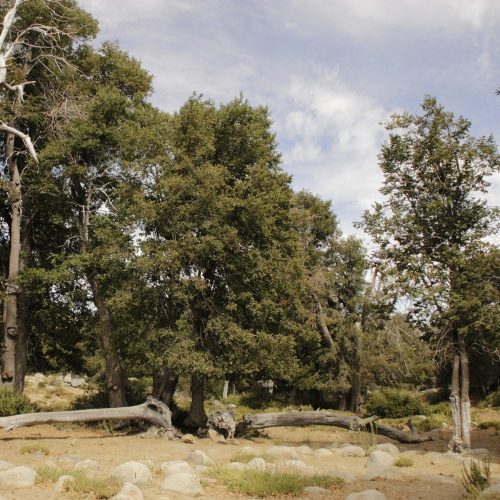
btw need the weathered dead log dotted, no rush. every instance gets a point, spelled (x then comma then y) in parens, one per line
(304, 418)
(152, 411)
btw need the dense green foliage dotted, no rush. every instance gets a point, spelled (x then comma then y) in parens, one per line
(13, 403)
(394, 403)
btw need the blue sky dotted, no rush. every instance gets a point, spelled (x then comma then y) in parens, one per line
(330, 71)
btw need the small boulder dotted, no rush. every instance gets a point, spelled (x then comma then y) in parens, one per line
(67, 379)
(69, 460)
(176, 467)
(6, 465)
(388, 448)
(133, 472)
(257, 463)
(493, 491)
(304, 450)
(380, 459)
(316, 491)
(59, 485)
(129, 491)
(323, 452)
(187, 438)
(351, 451)
(479, 453)
(236, 466)
(39, 377)
(77, 381)
(297, 464)
(17, 477)
(87, 464)
(437, 478)
(383, 473)
(197, 457)
(282, 452)
(366, 495)
(185, 484)
(215, 436)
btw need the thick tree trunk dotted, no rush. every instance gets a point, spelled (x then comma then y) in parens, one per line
(164, 385)
(197, 416)
(304, 418)
(226, 389)
(115, 374)
(11, 332)
(459, 397)
(153, 411)
(342, 402)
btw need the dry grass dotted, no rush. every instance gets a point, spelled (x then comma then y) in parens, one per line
(33, 448)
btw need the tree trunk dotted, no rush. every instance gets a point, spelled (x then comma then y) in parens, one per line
(11, 332)
(153, 411)
(304, 418)
(459, 397)
(23, 313)
(226, 389)
(342, 401)
(164, 385)
(197, 416)
(115, 375)
(355, 393)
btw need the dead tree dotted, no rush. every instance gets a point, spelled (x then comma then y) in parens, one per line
(305, 418)
(153, 411)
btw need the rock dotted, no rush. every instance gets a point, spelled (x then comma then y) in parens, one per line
(297, 464)
(493, 491)
(351, 451)
(383, 473)
(176, 467)
(444, 458)
(201, 468)
(388, 448)
(67, 379)
(236, 466)
(183, 483)
(39, 377)
(323, 452)
(344, 445)
(257, 463)
(380, 459)
(77, 381)
(366, 495)
(6, 465)
(347, 477)
(282, 452)
(133, 472)
(197, 457)
(17, 477)
(148, 463)
(188, 439)
(69, 460)
(129, 491)
(59, 485)
(87, 464)
(304, 450)
(215, 436)
(316, 491)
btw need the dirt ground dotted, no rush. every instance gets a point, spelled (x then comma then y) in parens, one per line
(111, 450)
(423, 480)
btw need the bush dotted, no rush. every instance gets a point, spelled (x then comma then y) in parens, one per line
(404, 462)
(14, 403)
(492, 400)
(434, 421)
(394, 403)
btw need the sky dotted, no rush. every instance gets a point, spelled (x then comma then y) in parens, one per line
(331, 73)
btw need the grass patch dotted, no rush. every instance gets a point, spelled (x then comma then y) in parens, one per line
(264, 483)
(432, 422)
(91, 487)
(33, 448)
(404, 462)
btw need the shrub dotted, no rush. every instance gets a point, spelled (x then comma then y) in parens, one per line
(492, 400)
(394, 403)
(34, 448)
(476, 478)
(434, 421)
(14, 403)
(490, 424)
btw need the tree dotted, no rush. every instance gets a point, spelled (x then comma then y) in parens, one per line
(431, 228)
(38, 42)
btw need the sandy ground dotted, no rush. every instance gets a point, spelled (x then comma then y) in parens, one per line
(110, 450)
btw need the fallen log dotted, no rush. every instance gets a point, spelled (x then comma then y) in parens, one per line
(304, 418)
(152, 411)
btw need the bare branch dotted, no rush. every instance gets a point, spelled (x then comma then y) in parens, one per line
(25, 138)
